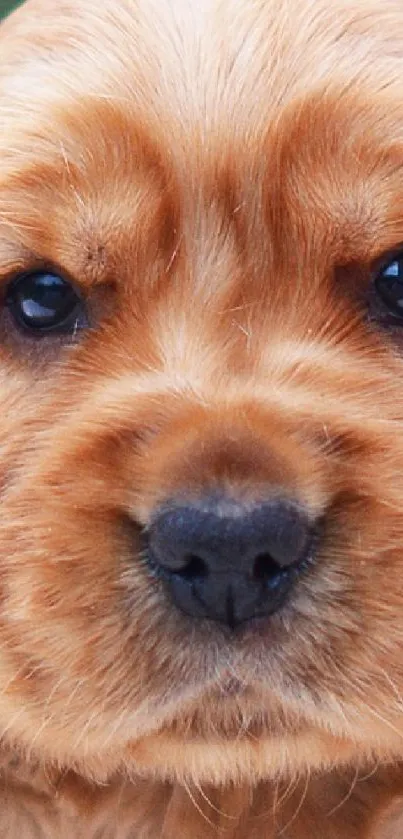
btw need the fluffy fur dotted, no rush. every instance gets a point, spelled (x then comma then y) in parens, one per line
(220, 179)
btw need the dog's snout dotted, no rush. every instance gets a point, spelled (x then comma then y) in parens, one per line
(229, 561)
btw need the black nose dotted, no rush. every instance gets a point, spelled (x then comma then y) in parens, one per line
(228, 561)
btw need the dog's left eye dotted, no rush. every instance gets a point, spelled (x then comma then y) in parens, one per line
(44, 302)
(389, 285)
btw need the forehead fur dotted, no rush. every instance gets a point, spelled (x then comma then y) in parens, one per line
(170, 61)
(169, 92)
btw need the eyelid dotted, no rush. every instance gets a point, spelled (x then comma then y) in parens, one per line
(33, 263)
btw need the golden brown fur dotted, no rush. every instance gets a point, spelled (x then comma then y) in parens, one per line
(220, 178)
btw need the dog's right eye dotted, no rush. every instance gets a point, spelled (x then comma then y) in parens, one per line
(44, 302)
(389, 285)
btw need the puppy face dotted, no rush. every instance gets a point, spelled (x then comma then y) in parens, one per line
(200, 231)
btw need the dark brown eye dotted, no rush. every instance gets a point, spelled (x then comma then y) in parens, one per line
(389, 286)
(42, 302)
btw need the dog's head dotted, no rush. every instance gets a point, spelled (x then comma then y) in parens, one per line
(201, 400)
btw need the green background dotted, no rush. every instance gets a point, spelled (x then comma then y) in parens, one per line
(7, 5)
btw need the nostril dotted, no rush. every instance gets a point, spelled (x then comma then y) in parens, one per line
(194, 568)
(265, 568)
(229, 562)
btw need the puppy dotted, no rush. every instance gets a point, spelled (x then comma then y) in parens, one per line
(201, 531)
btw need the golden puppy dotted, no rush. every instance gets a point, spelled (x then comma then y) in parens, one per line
(201, 532)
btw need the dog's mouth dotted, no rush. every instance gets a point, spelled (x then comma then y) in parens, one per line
(225, 727)
(232, 710)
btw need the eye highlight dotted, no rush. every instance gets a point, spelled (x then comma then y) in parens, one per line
(44, 302)
(389, 285)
